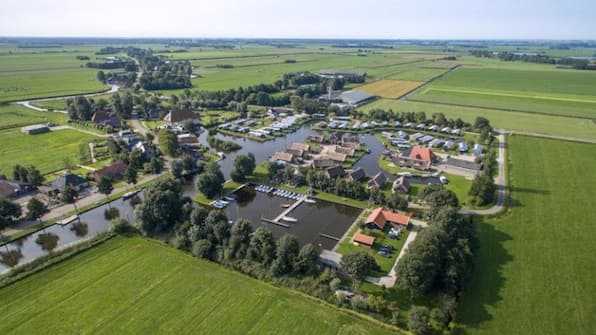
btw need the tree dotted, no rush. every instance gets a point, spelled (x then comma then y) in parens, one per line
(359, 303)
(34, 177)
(244, 165)
(357, 265)
(202, 249)
(105, 187)
(418, 320)
(286, 253)
(483, 189)
(47, 241)
(69, 196)
(161, 208)
(176, 167)
(262, 246)
(8, 211)
(307, 262)
(481, 123)
(240, 239)
(130, 175)
(155, 165)
(209, 184)
(101, 76)
(168, 142)
(397, 202)
(35, 209)
(376, 303)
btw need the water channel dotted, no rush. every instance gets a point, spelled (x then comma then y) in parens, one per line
(314, 219)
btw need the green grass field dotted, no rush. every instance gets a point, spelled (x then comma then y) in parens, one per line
(544, 124)
(556, 92)
(12, 116)
(122, 286)
(45, 151)
(535, 268)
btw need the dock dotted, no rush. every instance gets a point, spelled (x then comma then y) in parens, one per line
(275, 222)
(68, 220)
(330, 237)
(289, 209)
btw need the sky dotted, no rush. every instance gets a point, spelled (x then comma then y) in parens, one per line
(392, 19)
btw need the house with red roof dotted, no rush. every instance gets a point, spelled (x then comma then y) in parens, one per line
(362, 239)
(417, 157)
(380, 217)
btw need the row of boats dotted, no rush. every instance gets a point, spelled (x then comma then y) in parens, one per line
(283, 193)
(222, 203)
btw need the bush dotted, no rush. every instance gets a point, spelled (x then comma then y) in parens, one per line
(202, 249)
(111, 213)
(334, 284)
(121, 226)
(418, 320)
(358, 302)
(376, 303)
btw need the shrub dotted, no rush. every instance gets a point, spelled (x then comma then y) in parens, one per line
(334, 284)
(111, 213)
(358, 302)
(418, 320)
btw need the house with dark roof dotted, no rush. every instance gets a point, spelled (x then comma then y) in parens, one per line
(417, 157)
(177, 116)
(356, 174)
(285, 157)
(377, 182)
(13, 188)
(401, 185)
(59, 184)
(380, 217)
(114, 171)
(105, 119)
(322, 162)
(334, 172)
(355, 97)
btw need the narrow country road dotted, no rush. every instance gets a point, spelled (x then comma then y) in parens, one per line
(27, 103)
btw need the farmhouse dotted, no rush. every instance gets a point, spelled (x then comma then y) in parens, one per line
(417, 157)
(285, 157)
(13, 188)
(35, 129)
(365, 240)
(322, 162)
(357, 174)
(334, 171)
(377, 182)
(58, 185)
(380, 217)
(114, 171)
(401, 185)
(105, 119)
(177, 116)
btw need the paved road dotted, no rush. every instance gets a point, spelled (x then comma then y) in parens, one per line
(27, 103)
(500, 182)
(389, 280)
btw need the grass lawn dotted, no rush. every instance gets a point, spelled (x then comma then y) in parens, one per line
(52, 104)
(40, 84)
(122, 286)
(389, 88)
(203, 200)
(45, 151)
(535, 268)
(13, 116)
(347, 247)
(518, 121)
(565, 93)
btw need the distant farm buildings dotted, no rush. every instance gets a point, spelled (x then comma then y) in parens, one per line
(35, 129)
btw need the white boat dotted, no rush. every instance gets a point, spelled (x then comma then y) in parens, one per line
(289, 219)
(309, 201)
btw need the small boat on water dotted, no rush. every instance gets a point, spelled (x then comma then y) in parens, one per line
(289, 219)
(221, 154)
(285, 205)
(130, 194)
(309, 201)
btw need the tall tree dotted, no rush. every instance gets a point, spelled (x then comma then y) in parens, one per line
(130, 175)
(240, 239)
(35, 209)
(8, 211)
(161, 208)
(105, 187)
(357, 265)
(262, 246)
(287, 251)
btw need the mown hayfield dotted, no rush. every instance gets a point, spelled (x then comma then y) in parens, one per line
(519, 121)
(39, 84)
(535, 267)
(45, 151)
(390, 88)
(137, 286)
(12, 116)
(556, 92)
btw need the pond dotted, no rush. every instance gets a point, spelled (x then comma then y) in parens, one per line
(95, 222)
(321, 223)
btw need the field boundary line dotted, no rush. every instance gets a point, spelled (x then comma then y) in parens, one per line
(507, 94)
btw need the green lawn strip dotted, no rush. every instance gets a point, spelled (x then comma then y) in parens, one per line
(140, 295)
(16, 116)
(347, 247)
(517, 121)
(45, 151)
(534, 272)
